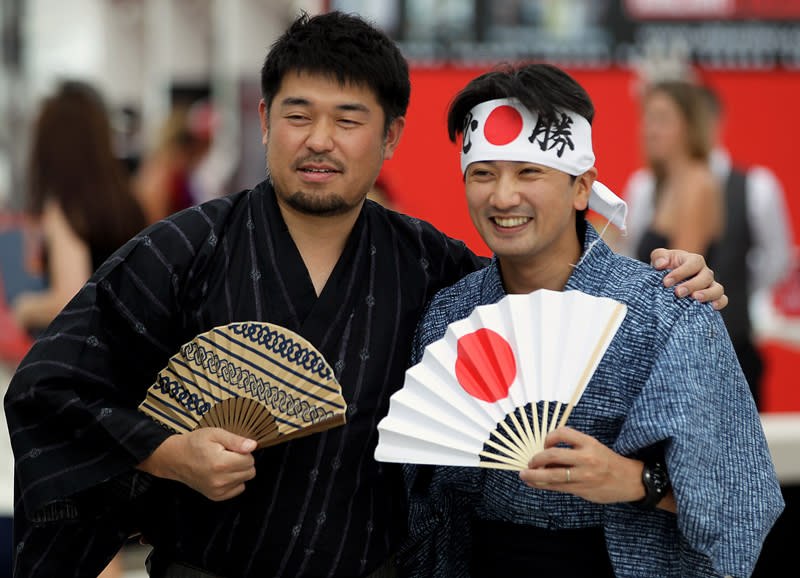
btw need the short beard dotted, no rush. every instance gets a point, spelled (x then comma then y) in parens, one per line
(328, 206)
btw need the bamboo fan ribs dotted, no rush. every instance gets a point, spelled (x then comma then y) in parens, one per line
(258, 380)
(488, 392)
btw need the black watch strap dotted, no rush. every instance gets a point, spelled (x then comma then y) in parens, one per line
(656, 484)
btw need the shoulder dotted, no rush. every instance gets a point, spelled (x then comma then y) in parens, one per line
(417, 239)
(452, 304)
(698, 175)
(639, 182)
(638, 285)
(194, 225)
(175, 243)
(464, 295)
(761, 180)
(407, 228)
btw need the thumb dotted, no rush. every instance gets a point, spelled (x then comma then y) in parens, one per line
(234, 442)
(660, 259)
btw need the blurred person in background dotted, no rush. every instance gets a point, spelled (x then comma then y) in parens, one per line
(163, 182)
(756, 249)
(675, 201)
(79, 192)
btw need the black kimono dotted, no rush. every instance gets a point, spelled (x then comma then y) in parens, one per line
(318, 506)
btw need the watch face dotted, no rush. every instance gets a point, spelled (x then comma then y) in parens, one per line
(656, 484)
(659, 478)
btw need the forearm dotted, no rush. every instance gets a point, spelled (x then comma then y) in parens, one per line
(162, 462)
(36, 310)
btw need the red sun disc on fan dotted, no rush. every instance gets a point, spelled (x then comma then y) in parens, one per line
(485, 365)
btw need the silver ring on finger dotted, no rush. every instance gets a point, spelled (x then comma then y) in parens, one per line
(568, 476)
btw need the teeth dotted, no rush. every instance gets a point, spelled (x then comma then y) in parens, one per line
(511, 221)
(318, 170)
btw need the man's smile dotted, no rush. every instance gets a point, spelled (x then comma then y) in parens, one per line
(509, 222)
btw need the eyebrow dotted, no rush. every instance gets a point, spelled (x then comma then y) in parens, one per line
(300, 101)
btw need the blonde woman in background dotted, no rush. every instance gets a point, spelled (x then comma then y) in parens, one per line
(675, 202)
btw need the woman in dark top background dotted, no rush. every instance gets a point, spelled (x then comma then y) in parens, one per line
(78, 191)
(684, 202)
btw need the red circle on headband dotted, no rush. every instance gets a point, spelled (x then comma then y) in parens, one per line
(503, 125)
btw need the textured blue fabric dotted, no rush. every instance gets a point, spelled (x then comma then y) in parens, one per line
(670, 381)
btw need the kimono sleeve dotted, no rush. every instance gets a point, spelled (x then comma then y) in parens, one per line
(697, 406)
(72, 403)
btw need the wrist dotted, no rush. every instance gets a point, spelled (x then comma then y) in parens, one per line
(655, 482)
(160, 463)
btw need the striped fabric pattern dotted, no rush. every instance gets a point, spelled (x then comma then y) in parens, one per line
(319, 506)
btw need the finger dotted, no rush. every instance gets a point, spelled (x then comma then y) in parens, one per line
(691, 276)
(720, 303)
(565, 435)
(681, 263)
(713, 293)
(660, 259)
(225, 493)
(552, 478)
(703, 281)
(233, 442)
(557, 456)
(239, 464)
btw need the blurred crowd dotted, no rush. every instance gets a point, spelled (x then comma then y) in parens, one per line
(88, 191)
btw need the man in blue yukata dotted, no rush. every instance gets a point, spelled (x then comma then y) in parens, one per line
(664, 469)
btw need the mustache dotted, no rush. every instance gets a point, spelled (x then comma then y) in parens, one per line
(319, 159)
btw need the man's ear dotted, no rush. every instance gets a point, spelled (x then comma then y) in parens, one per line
(582, 188)
(262, 114)
(393, 136)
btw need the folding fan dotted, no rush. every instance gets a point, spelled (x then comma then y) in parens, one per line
(255, 379)
(474, 398)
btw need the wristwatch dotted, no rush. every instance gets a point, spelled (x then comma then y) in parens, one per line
(656, 484)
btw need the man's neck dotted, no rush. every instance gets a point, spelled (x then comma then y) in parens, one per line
(320, 240)
(528, 274)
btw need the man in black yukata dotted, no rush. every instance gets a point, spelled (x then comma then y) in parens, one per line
(302, 250)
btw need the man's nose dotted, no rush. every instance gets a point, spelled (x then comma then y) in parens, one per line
(506, 194)
(320, 136)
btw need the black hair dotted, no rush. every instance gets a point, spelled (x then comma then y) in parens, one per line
(346, 48)
(541, 88)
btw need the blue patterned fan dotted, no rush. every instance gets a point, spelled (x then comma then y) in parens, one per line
(255, 379)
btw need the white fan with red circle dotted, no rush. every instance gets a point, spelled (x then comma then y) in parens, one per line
(488, 392)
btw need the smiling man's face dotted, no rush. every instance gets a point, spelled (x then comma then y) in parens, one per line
(325, 143)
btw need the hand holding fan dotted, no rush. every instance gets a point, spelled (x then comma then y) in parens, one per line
(258, 380)
(467, 402)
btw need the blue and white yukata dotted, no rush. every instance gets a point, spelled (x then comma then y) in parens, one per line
(669, 380)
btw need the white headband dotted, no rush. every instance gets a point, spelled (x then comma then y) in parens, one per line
(505, 130)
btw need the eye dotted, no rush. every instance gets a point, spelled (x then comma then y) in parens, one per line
(297, 117)
(480, 170)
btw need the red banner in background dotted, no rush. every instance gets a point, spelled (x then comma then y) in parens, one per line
(712, 9)
(680, 9)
